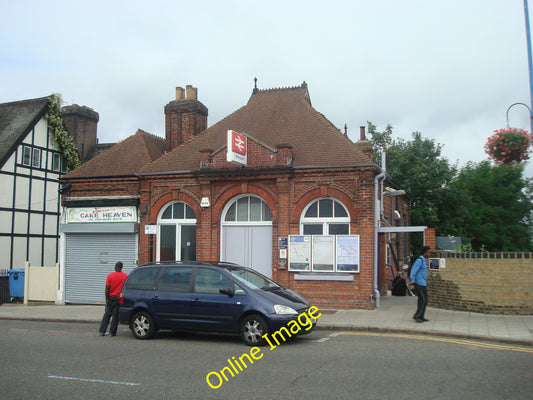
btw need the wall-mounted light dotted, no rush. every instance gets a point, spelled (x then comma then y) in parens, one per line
(394, 193)
(144, 210)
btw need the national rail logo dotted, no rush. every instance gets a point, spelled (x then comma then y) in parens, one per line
(216, 379)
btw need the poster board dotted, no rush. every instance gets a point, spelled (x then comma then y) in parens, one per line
(347, 253)
(299, 253)
(323, 253)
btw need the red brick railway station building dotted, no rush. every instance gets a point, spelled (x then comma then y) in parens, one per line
(302, 205)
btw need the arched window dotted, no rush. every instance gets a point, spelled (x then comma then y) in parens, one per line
(248, 209)
(325, 217)
(176, 231)
(178, 211)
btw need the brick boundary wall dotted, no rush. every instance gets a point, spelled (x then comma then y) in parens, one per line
(492, 283)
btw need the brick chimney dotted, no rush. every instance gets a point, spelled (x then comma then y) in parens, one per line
(364, 144)
(185, 117)
(81, 123)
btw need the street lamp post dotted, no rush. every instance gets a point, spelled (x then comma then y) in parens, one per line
(530, 114)
(530, 61)
(530, 65)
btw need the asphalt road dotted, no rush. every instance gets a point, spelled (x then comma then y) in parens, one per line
(42, 360)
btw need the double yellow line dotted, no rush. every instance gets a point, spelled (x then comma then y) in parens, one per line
(446, 340)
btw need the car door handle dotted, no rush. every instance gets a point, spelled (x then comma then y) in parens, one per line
(155, 298)
(195, 300)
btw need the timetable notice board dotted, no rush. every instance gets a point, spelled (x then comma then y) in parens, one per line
(299, 253)
(324, 253)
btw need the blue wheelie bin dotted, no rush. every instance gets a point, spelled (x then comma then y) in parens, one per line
(16, 283)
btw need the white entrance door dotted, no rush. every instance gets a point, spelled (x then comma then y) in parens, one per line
(250, 246)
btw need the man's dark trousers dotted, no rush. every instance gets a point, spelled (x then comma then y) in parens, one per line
(111, 312)
(422, 292)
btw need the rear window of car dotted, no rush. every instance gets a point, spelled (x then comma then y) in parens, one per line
(142, 279)
(175, 279)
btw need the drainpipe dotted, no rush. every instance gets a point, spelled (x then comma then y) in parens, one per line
(378, 181)
(65, 187)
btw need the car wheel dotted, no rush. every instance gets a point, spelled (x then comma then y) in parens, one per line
(252, 329)
(142, 325)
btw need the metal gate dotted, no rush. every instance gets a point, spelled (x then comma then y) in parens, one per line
(90, 258)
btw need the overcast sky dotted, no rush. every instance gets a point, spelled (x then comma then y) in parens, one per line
(447, 68)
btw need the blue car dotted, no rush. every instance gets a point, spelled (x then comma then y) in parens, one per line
(207, 297)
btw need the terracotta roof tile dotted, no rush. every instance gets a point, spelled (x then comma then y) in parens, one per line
(273, 116)
(124, 158)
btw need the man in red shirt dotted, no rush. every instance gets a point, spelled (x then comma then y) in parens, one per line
(113, 288)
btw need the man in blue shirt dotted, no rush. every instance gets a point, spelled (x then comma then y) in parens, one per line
(419, 275)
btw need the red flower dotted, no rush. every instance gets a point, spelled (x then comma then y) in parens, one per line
(509, 146)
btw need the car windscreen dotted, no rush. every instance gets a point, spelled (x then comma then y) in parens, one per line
(253, 279)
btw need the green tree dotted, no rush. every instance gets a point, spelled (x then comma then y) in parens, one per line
(419, 167)
(381, 141)
(493, 207)
(489, 206)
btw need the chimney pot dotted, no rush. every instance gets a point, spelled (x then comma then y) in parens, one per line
(180, 93)
(192, 92)
(362, 132)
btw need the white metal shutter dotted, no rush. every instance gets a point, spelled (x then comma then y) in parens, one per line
(90, 258)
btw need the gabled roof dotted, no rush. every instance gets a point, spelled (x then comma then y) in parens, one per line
(124, 158)
(16, 120)
(274, 117)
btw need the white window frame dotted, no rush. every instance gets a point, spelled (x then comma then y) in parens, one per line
(30, 159)
(35, 152)
(247, 222)
(176, 222)
(57, 167)
(324, 221)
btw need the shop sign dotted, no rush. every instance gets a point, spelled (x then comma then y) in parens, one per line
(102, 214)
(237, 146)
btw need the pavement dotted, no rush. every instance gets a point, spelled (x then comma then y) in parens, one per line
(395, 314)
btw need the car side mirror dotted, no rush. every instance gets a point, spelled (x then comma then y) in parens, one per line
(227, 291)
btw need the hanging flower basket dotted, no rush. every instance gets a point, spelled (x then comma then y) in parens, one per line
(509, 146)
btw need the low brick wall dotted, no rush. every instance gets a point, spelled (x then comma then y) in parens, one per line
(495, 283)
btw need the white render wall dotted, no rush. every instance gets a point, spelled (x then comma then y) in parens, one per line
(29, 204)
